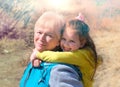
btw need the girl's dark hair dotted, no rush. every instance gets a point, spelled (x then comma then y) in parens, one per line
(83, 31)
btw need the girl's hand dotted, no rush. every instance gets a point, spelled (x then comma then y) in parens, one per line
(33, 58)
(36, 62)
(33, 55)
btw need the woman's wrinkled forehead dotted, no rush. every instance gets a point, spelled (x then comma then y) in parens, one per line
(51, 21)
(46, 24)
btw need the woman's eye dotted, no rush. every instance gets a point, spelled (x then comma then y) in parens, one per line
(49, 35)
(39, 32)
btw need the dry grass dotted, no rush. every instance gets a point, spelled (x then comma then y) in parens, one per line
(11, 45)
(106, 37)
(107, 42)
(107, 75)
(108, 46)
(12, 67)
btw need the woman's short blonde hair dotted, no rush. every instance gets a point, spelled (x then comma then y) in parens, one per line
(51, 20)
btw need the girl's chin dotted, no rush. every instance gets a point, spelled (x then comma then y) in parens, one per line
(66, 50)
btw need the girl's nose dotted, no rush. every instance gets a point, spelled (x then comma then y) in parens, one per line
(66, 44)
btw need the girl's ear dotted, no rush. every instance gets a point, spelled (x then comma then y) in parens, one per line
(82, 42)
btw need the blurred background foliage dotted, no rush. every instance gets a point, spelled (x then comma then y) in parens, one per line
(17, 17)
(16, 27)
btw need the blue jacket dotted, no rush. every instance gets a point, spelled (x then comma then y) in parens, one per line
(64, 76)
(50, 75)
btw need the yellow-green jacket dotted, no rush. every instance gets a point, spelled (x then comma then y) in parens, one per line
(82, 58)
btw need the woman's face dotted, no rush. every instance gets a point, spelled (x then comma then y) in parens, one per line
(45, 39)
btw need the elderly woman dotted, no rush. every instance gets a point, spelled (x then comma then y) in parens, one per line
(46, 37)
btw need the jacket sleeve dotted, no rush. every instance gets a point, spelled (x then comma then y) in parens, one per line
(79, 57)
(64, 76)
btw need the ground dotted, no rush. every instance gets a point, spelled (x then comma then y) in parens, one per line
(12, 65)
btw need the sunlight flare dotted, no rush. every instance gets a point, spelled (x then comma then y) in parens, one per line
(58, 3)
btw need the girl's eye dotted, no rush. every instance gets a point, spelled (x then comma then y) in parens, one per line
(72, 41)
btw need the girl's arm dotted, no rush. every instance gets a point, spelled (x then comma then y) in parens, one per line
(79, 57)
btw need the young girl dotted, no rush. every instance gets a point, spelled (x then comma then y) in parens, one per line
(79, 50)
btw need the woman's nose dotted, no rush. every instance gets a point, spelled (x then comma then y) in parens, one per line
(42, 37)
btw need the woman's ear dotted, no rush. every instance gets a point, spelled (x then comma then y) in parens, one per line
(82, 42)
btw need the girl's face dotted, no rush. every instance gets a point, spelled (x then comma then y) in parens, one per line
(45, 39)
(70, 40)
